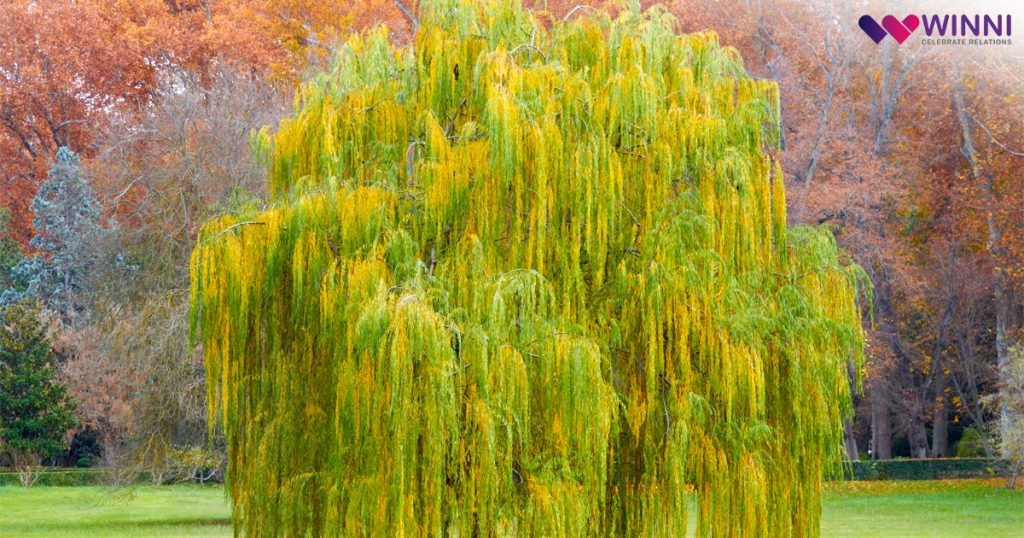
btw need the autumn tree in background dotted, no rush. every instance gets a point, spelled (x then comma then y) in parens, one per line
(54, 95)
(991, 191)
(182, 159)
(68, 67)
(186, 159)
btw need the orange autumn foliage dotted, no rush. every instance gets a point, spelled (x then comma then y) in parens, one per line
(67, 66)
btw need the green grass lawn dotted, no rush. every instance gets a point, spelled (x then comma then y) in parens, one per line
(904, 509)
(948, 508)
(105, 512)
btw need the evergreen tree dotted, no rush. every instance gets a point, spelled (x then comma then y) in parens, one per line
(68, 229)
(527, 281)
(35, 409)
(10, 252)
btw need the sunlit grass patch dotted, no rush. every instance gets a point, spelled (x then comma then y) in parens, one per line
(107, 512)
(941, 508)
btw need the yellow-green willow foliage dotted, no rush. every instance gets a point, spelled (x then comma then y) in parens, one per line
(527, 280)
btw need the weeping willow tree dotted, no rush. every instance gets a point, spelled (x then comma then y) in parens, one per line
(527, 279)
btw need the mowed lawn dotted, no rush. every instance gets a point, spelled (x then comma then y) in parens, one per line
(106, 512)
(947, 508)
(903, 509)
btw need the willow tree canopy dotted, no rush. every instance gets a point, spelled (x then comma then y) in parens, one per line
(526, 279)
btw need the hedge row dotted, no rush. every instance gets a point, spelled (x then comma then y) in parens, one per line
(920, 469)
(62, 477)
(59, 476)
(927, 469)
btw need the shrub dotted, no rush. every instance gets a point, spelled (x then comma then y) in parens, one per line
(971, 444)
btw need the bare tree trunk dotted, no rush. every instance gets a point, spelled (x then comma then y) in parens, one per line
(1002, 303)
(816, 150)
(940, 425)
(850, 441)
(838, 59)
(881, 428)
(968, 391)
(887, 95)
(940, 413)
(916, 434)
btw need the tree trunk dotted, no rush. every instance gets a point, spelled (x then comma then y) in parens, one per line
(838, 60)
(850, 441)
(940, 427)
(940, 414)
(917, 437)
(888, 95)
(881, 429)
(820, 139)
(1002, 304)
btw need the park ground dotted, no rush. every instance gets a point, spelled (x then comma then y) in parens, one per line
(982, 508)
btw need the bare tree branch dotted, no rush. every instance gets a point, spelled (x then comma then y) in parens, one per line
(995, 140)
(414, 23)
(236, 225)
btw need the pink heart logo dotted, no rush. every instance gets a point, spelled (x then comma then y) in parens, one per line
(900, 30)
